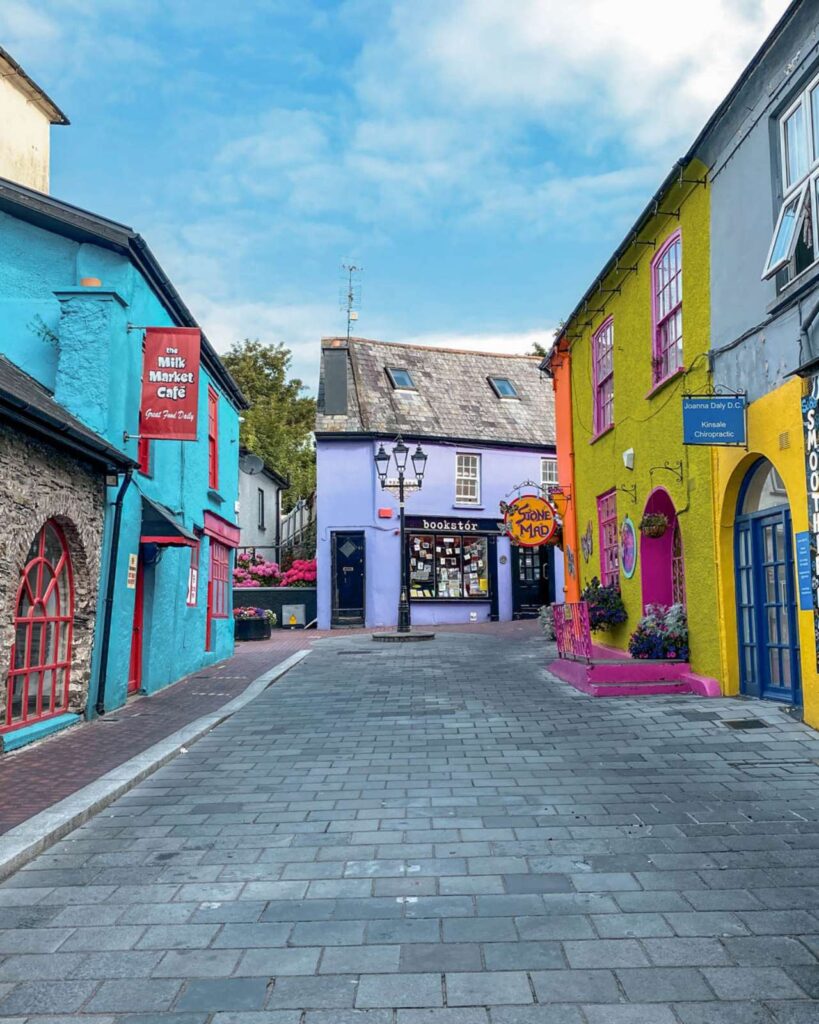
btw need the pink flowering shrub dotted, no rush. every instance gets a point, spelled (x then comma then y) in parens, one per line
(255, 571)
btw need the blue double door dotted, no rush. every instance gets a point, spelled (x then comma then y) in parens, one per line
(766, 606)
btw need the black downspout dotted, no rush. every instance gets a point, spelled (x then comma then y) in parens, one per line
(109, 591)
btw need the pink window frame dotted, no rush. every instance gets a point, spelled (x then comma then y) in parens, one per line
(677, 567)
(658, 322)
(603, 412)
(609, 549)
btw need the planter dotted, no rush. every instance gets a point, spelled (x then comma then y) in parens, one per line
(251, 629)
(654, 531)
(275, 598)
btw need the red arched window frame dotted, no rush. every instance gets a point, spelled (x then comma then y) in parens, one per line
(677, 567)
(43, 620)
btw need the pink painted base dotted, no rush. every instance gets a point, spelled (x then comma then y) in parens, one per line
(612, 673)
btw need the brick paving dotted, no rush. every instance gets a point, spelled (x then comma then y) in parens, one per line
(37, 777)
(439, 834)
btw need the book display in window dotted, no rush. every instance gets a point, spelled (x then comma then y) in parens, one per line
(448, 552)
(448, 567)
(422, 566)
(476, 568)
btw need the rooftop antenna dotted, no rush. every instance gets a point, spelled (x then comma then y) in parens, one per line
(353, 296)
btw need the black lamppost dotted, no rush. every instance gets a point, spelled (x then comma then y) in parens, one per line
(382, 464)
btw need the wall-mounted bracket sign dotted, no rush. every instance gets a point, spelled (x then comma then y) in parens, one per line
(170, 384)
(715, 420)
(530, 520)
(807, 551)
(628, 548)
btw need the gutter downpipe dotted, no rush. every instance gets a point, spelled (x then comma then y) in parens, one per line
(109, 591)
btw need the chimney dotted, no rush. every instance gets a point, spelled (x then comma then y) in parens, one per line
(334, 354)
(26, 115)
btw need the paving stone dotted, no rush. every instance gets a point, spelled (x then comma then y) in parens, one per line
(722, 1013)
(420, 990)
(469, 1015)
(492, 988)
(649, 1013)
(177, 936)
(348, 1017)
(577, 986)
(446, 956)
(751, 983)
(538, 883)
(507, 956)
(196, 963)
(683, 952)
(565, 926)
(328, 933)
(605, 953)
(214, 994)
(252, 936)
(29, 998)
(274, 962)
(386, 932)
(663, 984)
(270, 1017)
(623, 926)
(102, 938)
(129, 995)
(314, 993)
(360, 959)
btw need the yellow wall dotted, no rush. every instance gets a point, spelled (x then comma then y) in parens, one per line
(652, 426)
(775, 432)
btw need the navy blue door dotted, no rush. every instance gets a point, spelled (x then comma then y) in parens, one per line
(766, 606)
(348, 579)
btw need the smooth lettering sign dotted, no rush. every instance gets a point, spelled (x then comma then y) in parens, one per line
(530, 520)
(170, 384)
(810, 427)
(714, 419)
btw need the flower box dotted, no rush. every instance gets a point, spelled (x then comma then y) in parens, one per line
(251, 629)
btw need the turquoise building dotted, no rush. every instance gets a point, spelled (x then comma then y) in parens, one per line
(137, 535)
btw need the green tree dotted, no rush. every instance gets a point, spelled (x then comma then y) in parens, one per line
(279, 424)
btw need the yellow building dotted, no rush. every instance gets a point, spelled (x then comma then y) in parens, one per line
(636, 345)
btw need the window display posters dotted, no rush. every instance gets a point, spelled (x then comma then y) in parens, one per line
(448, 567)
(170, 384)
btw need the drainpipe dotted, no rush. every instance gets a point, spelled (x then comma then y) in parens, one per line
(109, 591)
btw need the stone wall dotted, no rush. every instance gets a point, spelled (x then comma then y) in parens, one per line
(37, 483)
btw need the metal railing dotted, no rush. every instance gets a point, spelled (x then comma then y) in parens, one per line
(572, 631)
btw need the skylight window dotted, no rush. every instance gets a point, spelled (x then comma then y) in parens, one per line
(503, 387)
(400, 378)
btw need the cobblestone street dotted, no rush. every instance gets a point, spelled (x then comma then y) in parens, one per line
(438, 833)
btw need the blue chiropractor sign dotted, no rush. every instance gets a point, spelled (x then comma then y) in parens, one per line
(714, 420)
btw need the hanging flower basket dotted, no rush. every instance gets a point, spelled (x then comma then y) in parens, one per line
(653, 524)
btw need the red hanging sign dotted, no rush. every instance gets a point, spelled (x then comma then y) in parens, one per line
(170, 383)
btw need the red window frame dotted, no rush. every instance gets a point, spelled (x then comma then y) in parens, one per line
(609, 538)
(666, 309)
(603, 376)
(43, 632)
(213, 438)
(218, 577)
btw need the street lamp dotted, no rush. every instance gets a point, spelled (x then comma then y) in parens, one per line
(382, 465)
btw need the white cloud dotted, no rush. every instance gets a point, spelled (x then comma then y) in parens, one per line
(518, 343)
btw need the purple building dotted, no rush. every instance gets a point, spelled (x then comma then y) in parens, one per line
(486, 422)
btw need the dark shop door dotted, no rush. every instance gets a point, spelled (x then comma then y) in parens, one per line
(348, 579)
(531, 580)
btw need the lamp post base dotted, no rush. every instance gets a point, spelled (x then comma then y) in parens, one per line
(402, 638)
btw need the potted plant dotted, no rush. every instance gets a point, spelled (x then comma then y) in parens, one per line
(605, 604)
(654, 524)
(253, 623)
(661, 634)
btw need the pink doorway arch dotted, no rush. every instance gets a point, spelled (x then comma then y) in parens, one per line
(662, 572)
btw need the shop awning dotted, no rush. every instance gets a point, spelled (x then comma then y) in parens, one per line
(160, 526)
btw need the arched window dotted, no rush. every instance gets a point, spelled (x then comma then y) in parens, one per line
(677, 567)
(41, 654)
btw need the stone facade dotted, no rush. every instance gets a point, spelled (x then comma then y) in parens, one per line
(37, 483)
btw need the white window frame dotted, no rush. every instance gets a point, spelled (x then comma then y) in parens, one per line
(803, 187)
(467, 472)
(549, 462)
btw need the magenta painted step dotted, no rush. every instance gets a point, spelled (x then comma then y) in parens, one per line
(612, 673)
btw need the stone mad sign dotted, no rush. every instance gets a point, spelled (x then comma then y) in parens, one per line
(170, 384)
(530, 520)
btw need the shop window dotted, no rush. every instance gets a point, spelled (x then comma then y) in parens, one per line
(468, 480)
(43, 622)
(677, 567)
(217, 587)
(213, 439)
(400, 378)
(609, 549)
(603, 376)
(667, 281)
(503, 387)
(794, 245)
(548, 474)
(448, 566)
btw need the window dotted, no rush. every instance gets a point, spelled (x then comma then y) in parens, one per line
(43, 623)
(666, 278)
(213, 439)
(143, 451)
(261, 508)
(448, 567)
(677, 567)
(548, 474)
(794, 245)
(468, 480)
(193, 576)
(400, 378)
(603, 376)
(217, 587)
(609, 553)
(503, 387)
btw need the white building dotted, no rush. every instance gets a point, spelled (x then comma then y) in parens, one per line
(260, 505)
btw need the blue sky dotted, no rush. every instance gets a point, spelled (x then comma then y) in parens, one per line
(479, 158)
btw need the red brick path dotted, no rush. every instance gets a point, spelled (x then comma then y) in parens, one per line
(37, 777)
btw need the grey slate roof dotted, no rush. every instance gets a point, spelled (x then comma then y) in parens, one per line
(25, 403)
(453, 399)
